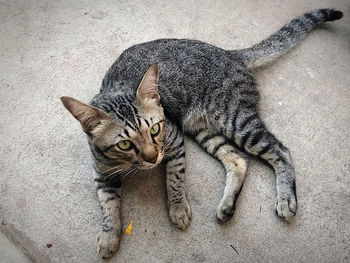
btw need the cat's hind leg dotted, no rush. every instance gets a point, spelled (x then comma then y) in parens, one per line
(234, 162)
(252, 136)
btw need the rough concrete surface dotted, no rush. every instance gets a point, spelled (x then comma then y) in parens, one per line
(53, 48)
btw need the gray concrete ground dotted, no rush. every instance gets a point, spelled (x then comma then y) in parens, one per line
(54, 48)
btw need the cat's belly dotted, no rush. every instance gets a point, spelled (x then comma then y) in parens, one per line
(199, 119)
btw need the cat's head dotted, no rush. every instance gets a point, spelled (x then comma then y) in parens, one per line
(124, 131)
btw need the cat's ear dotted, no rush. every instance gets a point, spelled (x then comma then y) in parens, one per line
(88, 116)
(148, 88)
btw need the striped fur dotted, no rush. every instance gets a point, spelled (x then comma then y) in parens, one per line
(108, 239)
(200, 90)
(287, 37)
(235, 164)
(179, 208)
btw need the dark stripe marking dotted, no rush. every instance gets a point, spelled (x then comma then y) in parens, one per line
(177, 156)
(209, 137)
(325, 13)
(100, 186)
(177, 164)
(196, 133)
(100, 152)
(257, 137)
(245, 138)
(234, 119)
(110, 199)
(99, 180)
(181, 144)
(139, 122)
(248, 120)
(313, 19)
(174, 189)
(153, 140)
(129, 124)
(265, 149)
(136, 150)
(111, 191)
(105, 107)
(126, 133)
(217, 147)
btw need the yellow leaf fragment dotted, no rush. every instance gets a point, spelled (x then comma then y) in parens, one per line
(129, 228)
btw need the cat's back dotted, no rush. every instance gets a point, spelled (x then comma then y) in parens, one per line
(191, 72)
(185, 61)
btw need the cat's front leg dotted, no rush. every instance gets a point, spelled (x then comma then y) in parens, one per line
(179, 209)
(109, 236)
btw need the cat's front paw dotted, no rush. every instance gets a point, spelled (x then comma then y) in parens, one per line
(286, 205)
(180, 214)
(107, 244)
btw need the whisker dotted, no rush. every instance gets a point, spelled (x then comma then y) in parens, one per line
(121, 173)
(116, 173)
(111, 169)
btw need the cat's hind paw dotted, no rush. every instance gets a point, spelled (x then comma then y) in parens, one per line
(286, 206)
(225, 211)
(107, 244)
(180, 214)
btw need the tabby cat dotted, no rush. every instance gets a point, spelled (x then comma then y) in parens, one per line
(160, 90)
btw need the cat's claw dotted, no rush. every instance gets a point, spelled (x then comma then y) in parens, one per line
(286, 206)
(180, 214)
(107, 244)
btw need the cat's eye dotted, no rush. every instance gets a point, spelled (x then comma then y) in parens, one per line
(124, 145)
(155, 129)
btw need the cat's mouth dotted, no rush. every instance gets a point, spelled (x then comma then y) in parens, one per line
(146, 165)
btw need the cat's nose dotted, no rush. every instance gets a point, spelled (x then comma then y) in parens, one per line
(153, 160)
(150, 154)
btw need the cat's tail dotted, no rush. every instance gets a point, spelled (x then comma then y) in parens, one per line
(287, 37)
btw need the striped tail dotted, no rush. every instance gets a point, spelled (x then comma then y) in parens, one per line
(287, 37)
